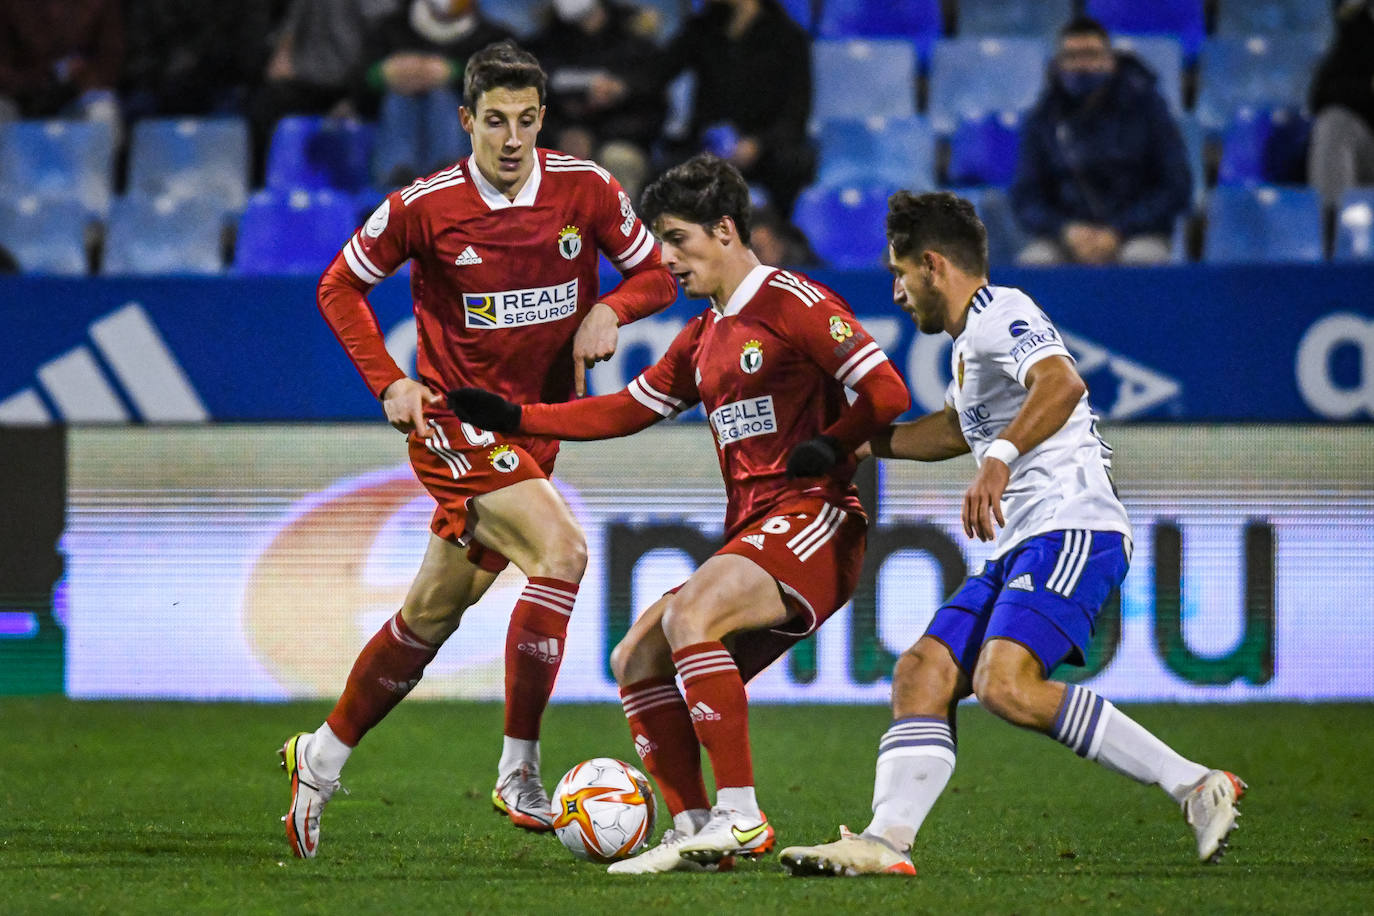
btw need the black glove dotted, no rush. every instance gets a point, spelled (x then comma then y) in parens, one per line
(485, 409)
(813, 457)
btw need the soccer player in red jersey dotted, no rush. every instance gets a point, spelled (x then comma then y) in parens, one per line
(775, 362)
(503, 248)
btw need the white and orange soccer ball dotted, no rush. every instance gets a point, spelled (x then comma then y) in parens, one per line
(603, 810)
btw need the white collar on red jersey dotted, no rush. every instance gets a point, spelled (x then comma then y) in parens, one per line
(494, 198)
(746, 290)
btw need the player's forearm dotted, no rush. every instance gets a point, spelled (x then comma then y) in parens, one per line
(642, 293)
(934, 437)
(882, 398)
(1050, 399)
(345, 309)
(603, 417)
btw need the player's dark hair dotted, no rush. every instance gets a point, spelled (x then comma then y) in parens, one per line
(501, 65)
(938, 221)
(701, 190)
(1084, 25)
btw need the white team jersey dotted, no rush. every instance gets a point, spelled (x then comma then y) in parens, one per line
(1061, 483)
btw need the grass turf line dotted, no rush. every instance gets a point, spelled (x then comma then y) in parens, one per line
(164, 807)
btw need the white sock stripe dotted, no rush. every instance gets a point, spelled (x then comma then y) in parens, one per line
(831, 527)
(917, 729)
(691, 665)
(405, 640)
(924, 750)
(553, 594)
(548, 604)
(1095, 744)
(700, 673)
(650, 693)
(1072, 700)
(1082, 715)
(641, 708)
(707, 654)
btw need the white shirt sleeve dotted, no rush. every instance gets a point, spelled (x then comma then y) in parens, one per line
(1017, 335)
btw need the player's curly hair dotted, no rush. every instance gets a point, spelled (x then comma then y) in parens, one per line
(938, 221)
(701, 190)
(504, 65)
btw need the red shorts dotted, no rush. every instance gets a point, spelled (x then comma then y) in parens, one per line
(460, 462)
(815, 551)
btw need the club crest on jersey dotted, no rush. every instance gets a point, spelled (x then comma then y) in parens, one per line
(570, 242)
(751, 357)
(376, 223)
(504, 459)
(840, 329)
(960, 373)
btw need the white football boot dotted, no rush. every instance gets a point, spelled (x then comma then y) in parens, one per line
(521, 797)
(1211, 808)
(309, 795)
(850, 856)
(665, 857)
(728, 833)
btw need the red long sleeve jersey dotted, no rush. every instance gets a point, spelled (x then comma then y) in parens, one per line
(499, 286)
(771, 369)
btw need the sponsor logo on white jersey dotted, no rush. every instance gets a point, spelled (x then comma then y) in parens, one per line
(468, 257)
(1028, 340)
(703, 713)
(753, 540)
(514, 308)
(545, 650)
(743, 419)
(1022, 583)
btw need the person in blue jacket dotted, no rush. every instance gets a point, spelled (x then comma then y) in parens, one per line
(1102, 173)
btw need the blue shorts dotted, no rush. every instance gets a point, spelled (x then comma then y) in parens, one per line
(1044, 593)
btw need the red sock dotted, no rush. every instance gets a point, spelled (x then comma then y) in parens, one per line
(387, 669)
(719, 708)
(664, 739)
(534, 650)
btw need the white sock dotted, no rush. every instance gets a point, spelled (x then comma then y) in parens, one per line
(1099, 731)
(915, 762)
(515, 751)
(326, 754)
(690, 821)
(739, 798)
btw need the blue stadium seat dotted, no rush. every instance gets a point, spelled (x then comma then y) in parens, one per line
(983, 150)
(1256, 72)
(1183, 19)
(1264, 147)
(972, 76)
(147, 236)
(884, 68)
(1164, 55)
(845, 224)
(1040, 19)
(1238, 18)
(802, 11)
(185, 158)
(45, 236)
(295, 232)
(919, 20)
(1005, 237)
(1248, 225)
(1355, 226)
(897, 151)
(520, 16)
(316, 153)
(58, 159)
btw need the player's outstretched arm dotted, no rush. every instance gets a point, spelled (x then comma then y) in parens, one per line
(881, 396)
(934, 437)
(603, 417)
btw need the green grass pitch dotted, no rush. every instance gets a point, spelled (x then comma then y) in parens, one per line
(174, 808)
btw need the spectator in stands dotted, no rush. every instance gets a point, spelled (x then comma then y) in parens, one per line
(1102, 174)
(315, 61)
(189, 57)
(778, 241)
(414, 62)
(752, 64)
(604, 102)
(1341, 155)
(61, 57)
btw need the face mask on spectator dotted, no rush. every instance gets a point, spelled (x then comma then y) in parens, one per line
(1082, 83)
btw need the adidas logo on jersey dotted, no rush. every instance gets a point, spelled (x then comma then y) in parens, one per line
(546, 650)
(643, 746)
(1022, 583)
(703, 713)
(468, 257)
(755, 540)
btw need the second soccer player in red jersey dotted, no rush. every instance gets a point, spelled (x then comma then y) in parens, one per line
(791, 384)
(503, 248)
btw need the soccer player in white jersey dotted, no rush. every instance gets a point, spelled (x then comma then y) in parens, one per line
(1019, 405)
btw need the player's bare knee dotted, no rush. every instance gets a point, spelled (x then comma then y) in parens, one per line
(621, 656)
(1002, 693)
(563, 556)
(923, 682)
(683, 624)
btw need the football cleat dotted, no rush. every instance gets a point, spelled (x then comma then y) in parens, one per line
(308, 798)
(1211, 808)
(664, 857)
(520, 796)
(728, 833)
(849, 856)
